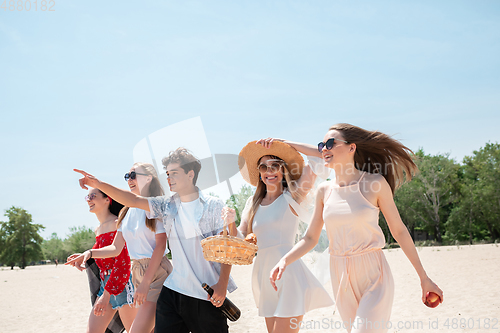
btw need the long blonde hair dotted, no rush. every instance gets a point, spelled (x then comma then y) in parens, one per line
(377, 152)
(155, 190)
(261, 191)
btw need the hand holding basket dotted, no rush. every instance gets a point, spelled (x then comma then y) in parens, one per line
(228, 249)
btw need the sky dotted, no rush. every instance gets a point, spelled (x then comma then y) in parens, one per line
(81, 85)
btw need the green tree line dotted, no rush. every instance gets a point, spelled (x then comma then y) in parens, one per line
(446, 202)
(22, 245)
(79, 240)
(450, 202)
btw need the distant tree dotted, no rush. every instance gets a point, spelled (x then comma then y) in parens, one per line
(79, 240)
(428, 199)
(2, 241)
(477, 215)
(238, 201)
(53, 248)
(21, 241)
(409, 209)
(464, 223)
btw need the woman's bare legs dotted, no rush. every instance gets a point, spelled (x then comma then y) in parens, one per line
(283, 325)
(145, 318)
(98, 324)
(127, 315)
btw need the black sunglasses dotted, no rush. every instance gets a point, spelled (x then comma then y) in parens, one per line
(328, 144)
(132, 175)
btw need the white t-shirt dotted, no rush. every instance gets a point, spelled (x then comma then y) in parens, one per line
(184, 243)
(140, 239)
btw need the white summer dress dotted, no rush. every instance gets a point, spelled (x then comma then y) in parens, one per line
(275, 227)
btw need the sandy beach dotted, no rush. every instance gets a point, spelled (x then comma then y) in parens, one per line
(56, 299)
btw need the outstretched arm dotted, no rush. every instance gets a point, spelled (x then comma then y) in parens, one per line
(109, 251)
(307, 243)
(402, 236)
(126, 198)
(304, 148)
(112, 250)
(308, 177)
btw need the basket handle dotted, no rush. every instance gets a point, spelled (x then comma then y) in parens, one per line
(230, 226)
(224, 232)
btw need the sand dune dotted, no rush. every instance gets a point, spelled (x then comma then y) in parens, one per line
(56, 299)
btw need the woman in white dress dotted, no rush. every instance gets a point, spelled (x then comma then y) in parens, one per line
(282, 182)
(146, 242)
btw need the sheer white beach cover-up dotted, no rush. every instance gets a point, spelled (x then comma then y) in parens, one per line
(275, 227)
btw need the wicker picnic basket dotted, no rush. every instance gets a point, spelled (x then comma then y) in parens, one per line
(229, 250)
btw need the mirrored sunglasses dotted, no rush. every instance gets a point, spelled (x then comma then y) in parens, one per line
(91, 196)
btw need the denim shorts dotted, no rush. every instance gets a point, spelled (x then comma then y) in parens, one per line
(125, 297)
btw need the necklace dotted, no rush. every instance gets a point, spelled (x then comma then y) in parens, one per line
(112, 219)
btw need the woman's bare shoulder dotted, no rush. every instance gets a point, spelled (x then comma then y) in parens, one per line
(374, 182)
(323, 188)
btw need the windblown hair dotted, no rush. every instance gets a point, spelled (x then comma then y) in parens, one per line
(155, 190)
(186, 160)
(377, 152)
(115, 206)
(261, 191)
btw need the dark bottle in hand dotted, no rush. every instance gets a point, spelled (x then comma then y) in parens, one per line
(228, 308)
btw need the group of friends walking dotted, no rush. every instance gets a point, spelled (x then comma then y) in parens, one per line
(152, 293)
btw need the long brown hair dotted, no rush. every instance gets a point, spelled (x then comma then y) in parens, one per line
(155, 190)
(261, 191)
(377, 152)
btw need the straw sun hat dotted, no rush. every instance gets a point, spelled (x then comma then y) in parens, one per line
(252, 152)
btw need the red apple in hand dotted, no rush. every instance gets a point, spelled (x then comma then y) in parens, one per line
(432, 300)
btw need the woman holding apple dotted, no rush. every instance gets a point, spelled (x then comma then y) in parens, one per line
(369, 166)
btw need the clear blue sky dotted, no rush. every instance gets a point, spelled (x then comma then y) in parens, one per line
(80, 86)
